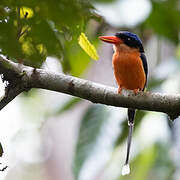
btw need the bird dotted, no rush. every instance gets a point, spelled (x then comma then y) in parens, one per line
(130, 70)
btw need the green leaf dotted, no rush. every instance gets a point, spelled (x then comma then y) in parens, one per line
(8, 40)
(68, 105)
(154, 83)
(144, 162)
(75, 60)
(164, 166)
(90, 129)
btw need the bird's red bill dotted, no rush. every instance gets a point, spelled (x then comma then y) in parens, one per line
(110, 39)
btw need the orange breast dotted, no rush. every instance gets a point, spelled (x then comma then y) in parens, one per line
(128, 70)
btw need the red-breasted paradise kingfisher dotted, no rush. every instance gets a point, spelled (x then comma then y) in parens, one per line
(130, 71)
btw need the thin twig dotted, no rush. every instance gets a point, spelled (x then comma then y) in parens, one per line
(19, 28)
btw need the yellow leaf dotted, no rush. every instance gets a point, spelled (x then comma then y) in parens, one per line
(26, 12)
(88, 47)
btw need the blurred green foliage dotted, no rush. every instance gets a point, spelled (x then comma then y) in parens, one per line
(164, 19)
(151, 163)
(51, 31)
(104, 1)
(142, 164)
(67, 105)
(90, 129)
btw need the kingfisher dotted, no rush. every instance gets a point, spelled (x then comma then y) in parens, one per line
(130, 70)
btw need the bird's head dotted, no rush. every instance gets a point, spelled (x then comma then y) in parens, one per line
(124, 37)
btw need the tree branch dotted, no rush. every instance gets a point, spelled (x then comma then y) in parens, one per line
(23, 78)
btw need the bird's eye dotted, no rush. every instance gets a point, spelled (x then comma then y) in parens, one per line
(128, 39)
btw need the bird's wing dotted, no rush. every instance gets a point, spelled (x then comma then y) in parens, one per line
(145, 65)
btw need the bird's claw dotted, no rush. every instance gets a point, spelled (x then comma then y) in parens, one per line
(136, 91)
(119, 90)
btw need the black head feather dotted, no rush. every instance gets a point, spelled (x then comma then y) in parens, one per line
(130, 39)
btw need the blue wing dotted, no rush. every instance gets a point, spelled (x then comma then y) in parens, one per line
(145, 65)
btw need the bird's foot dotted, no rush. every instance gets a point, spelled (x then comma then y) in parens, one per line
(119, 90)
(136, 91)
